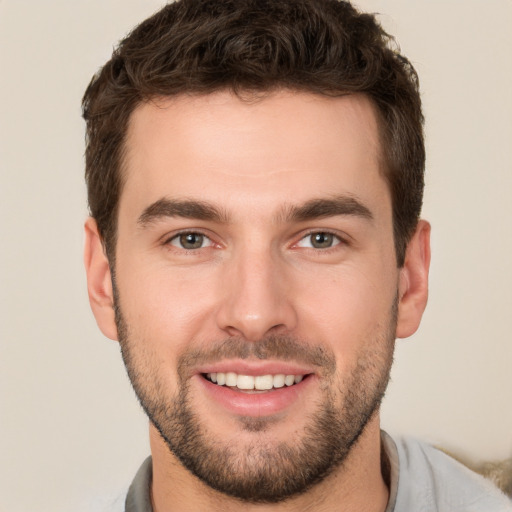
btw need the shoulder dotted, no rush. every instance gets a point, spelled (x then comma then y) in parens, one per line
(114, 502)
(429, 480)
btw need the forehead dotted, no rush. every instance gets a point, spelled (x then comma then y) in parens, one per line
(282, 146)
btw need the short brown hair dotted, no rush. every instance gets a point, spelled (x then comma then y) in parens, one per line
(202, 46)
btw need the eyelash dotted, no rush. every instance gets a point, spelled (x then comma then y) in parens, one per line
(338, 240)
(177, 236)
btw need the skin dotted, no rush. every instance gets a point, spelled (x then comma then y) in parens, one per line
(257, 274)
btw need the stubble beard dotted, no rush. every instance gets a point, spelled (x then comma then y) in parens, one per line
(266, 470)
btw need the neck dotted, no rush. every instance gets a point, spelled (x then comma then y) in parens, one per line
(357, 486)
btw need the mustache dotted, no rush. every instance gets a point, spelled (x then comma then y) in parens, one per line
(275, 347)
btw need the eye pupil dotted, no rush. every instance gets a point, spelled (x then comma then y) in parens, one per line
(191, 240)
(321, 240)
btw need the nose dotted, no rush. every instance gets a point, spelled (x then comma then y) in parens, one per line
(256, 296)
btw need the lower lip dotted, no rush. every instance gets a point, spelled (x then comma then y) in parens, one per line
(255, 404)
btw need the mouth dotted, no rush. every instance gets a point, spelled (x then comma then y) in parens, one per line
(256, 390)
(254, 383)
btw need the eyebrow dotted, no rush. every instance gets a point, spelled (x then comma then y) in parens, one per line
(202, 210)
(186, 208)
(326, 207)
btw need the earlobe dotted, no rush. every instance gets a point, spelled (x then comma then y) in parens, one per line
(413, 284)
(99, 280)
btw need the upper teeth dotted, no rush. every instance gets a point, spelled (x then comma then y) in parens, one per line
(260, 382)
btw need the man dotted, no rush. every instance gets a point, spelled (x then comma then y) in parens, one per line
(255, 180)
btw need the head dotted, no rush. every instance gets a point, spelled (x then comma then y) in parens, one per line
(324, 47)
(255, 173)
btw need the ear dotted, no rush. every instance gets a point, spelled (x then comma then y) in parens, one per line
(99, 280)
(413, 281)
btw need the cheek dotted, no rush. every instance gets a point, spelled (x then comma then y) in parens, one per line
(348, 308)
(162, 305)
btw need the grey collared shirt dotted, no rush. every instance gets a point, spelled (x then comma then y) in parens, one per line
(421, 479)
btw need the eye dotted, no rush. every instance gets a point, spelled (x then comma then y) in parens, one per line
(190, 241)
(319, 240)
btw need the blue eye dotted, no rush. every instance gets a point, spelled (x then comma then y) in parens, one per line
(190, 241)
(319, 240)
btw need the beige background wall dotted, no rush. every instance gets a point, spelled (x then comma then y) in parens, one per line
(70, 427)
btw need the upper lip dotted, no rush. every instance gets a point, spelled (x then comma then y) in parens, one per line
(255, 368)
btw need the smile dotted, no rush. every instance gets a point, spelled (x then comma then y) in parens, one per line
(250, 382)
(256, 390)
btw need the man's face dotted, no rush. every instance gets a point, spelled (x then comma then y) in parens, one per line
(255, 245)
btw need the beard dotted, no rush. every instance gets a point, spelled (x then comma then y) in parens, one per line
(263, 470)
